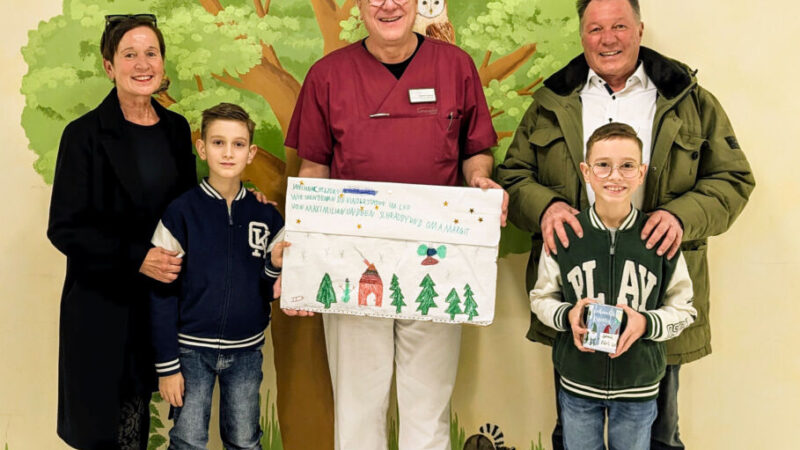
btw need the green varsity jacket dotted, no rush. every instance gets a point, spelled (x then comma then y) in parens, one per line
(615, 269)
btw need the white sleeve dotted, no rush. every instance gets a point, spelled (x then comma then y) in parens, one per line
(676, 311)
(546, 299)
(163, 238)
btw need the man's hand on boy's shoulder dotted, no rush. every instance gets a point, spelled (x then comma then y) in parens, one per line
(171, 388)
(577, 325)
(635, 329)
(262, 198)
(663, 226)
(552, 225)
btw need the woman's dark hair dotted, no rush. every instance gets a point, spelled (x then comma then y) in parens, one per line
(115, 30)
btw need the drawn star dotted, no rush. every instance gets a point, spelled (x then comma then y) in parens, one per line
(298, 220)
(471, 210)
(362, 208)
(302, 183)
(445, 203)
(359, 226)
(480, 219)
(341, 195)
(376, 207)
(455, 221)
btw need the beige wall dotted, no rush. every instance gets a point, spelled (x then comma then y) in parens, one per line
(742, 396)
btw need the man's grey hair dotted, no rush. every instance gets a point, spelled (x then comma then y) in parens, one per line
(582, 4)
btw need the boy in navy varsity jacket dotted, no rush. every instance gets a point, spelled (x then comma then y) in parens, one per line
(610, 264)
(210, 323)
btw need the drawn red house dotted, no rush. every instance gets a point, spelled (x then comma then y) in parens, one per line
(370, 283)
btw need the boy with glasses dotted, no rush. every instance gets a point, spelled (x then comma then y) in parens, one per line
(611, 265)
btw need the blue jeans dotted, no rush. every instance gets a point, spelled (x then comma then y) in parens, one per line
(239, 382)
(583, 421)
(664, 434)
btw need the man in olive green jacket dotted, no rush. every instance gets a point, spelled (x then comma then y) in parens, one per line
(697, 183)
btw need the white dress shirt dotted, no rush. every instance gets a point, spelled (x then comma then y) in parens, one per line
(634, 105)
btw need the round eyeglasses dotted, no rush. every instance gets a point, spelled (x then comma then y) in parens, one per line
(604, 169)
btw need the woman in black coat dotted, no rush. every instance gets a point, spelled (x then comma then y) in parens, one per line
(118, 167)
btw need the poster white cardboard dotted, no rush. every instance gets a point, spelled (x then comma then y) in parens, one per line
(392, 250)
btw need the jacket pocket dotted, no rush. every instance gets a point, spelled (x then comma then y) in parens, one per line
(684, 160)
(552, 157)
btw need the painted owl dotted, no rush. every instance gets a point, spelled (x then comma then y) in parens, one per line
(432, 20)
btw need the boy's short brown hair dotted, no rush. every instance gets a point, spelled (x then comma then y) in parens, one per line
(227, 111)
(613, 130)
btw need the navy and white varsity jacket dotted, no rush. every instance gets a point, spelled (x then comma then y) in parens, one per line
(221, 297)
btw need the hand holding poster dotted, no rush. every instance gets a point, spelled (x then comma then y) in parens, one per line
(391, 250)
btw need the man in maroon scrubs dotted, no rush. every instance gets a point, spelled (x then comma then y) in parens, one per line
(401, 108)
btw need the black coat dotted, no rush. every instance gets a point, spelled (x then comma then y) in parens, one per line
(101, 221)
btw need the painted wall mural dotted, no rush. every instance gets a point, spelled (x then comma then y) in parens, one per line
(256, 53)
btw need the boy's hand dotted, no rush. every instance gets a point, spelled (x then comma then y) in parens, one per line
(171, 389)
(579, 329)
(276, 292)
(262, 198)
(276, 258)
(636, 327)
(161, 265)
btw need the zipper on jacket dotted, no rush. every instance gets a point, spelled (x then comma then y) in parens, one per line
(612, 248)
(228, 264)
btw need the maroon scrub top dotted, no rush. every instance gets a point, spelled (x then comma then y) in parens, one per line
(354, 116)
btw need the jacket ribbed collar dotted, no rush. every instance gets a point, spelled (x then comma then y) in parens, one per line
(626, 224)
(211, 192)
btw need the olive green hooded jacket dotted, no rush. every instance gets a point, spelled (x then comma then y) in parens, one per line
(697, 172)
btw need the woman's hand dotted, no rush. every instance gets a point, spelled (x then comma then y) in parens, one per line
(161, 265)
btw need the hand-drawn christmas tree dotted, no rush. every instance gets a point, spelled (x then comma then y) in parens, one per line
(426, 295)
(470, 307)
(397, 294)
(326, 294)
(346, 295)
(454, 300)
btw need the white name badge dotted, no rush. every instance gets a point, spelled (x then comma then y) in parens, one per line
(422, 95)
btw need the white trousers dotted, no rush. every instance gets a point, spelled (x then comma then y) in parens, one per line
(361, 351)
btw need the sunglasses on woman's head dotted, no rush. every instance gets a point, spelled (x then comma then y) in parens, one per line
(113, 20)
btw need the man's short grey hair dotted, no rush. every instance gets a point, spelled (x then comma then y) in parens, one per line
(582, 4)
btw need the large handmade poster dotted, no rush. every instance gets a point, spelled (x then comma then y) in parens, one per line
(392, 250)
